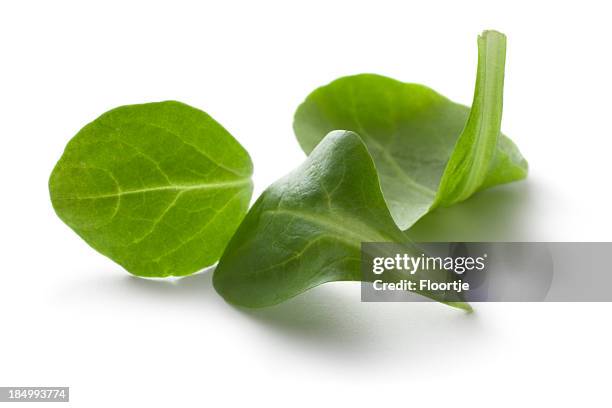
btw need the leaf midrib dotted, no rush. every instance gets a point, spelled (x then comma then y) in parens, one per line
(172, 187)
(340, 231)
(391, 160)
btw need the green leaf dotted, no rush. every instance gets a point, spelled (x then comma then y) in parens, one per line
(159, 188)
(307, 228)
(429, 151)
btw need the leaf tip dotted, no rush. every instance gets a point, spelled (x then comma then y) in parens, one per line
(466, 307)
(493, 34)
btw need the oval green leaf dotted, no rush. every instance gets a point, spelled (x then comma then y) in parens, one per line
(429, 151)
(159, 188)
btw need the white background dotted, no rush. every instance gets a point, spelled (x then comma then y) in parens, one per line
(70, 317)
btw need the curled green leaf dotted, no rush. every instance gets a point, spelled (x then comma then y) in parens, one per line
(429, 151)
(159, 188)
(307, 228)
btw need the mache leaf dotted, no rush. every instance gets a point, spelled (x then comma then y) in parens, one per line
(307, 228)
(429, 151)
(159, 188)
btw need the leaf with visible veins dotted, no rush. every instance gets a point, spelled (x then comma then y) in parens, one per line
(307, 228)
(159, 188)
(428, 150)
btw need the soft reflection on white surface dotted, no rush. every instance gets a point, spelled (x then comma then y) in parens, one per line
(328, 323)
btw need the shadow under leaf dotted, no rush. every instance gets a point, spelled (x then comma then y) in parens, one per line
(496, 214)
